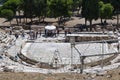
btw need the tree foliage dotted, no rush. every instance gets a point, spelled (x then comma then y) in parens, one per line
(12, 4)
(76, 4)
(7, 13)
(106, 1)
(40, 9)
(90, 10)
(28, 8)
(106, 10)
(116, 5)
(58, 8)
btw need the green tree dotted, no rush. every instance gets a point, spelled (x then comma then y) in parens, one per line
(59, 8)
(76, 5)
(106, 1)
(90, 10)
(40, 9)
(116, 5)
(28, 9)
(8, 14)
(101, 10)
(19, 10)
(12, 5)
(106, 10)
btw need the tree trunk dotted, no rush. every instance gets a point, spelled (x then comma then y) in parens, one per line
(90, 25)
(39, 19)
(101, 21)
(31, 20)
(117, 19)
(43, 19)
(64, 21)
(85, 21)
(73, 11)
(86, 24)
(26, 20)
(20, 20)
(78, 12)
(19, 16)
(17, 21)
(10, 22)
(58, 21)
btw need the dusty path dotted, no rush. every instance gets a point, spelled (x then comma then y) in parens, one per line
(111, 75)
(70, 23)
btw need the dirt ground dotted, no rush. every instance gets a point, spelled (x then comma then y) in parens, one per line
(111, 75)
(74, 21)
